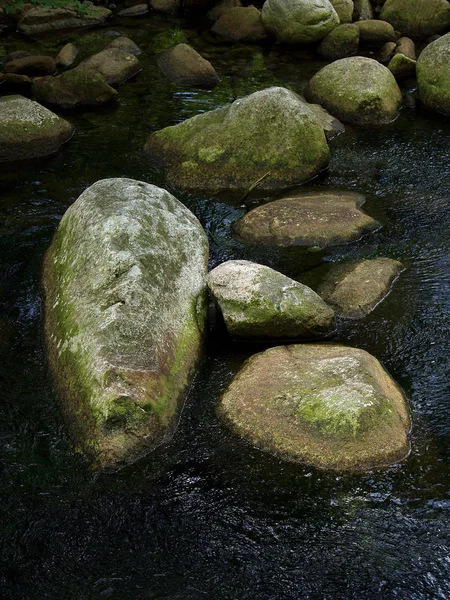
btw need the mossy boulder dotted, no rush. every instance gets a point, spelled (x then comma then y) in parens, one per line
(319, 219)
(28, 130)
(270, 137)
(328, 406)
(240, 24)
(401, 66)
(126, 45)
(417, 18)
(356, 90)
(125, 299)
(355, 289)
(375, 33)
(115, 65)
(32, 65)
(260, 303)
(433, 75)
(220, 7)
(183, 65)
(341, 42)
(45, 20)
(299, 21)
(363, 10)
(75, 88)
(344, 9)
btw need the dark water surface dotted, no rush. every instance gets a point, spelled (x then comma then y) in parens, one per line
(208, 516)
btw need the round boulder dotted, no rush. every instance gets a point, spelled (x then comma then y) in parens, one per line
(417, 18)
(28, 130)
(433, 75)
(240, 24)
(259, 302)
(299, 21)
(116, 66)
(328, 406)
(341, 42)
(270, 138)
(312, 219)
(356, 90)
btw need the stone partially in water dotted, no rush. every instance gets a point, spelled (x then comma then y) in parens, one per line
(32, 65)
(125, 302)
(356, 90)
(355, 289)
(241, 24)
(299, 21)
(259, 302)
(28, 130)
(417, 18)
(45, 20)
(311, 219)
(433, 75)
(323, 405)
(270, 138)
(183, 65)
(66, 56)
(116, 66)
(126, 45)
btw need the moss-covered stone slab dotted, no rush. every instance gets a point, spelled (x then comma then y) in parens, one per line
(241, 24)
(75, 88)
(125, 299)
(299, 21)
(356, 90)
(344, 9)
(341, 42)
(28, 130)
(183, 65)
(115, 65)
(311, 219)
(258, 302)
(270, 138)
(328, 406)
(433, 75)
(417, 18)
(44, 20)
(355, 289)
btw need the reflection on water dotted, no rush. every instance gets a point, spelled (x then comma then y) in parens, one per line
(207, 515)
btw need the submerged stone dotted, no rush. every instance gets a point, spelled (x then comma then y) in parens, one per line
(433, 75)
(328, 406)
(125, 303)
(259, 302)
(355, 289)
(311, 219)
(270, 139)
(28, 130)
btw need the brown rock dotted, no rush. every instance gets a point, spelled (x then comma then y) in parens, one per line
(32, 65)
(182, 65)
(241, 24)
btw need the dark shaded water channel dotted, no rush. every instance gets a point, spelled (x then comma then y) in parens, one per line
(207, 516)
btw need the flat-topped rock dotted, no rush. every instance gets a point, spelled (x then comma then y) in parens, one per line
(258, 302)
(270, 139)
(45, 20)
(125, 310)
(115, 65)
(28, 130)
(324, 405)
(356, 90)
(310, 219)
(355, 289)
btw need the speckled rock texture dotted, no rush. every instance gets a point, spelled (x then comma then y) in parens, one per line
(375, 33)
(341, 42)
(116, 66)
(125, 300)
(328, 406)
(32, 65)
(270, 137)
(75, 88)
(240, 24)
(417, 18)
(220, 7)
(355, 289)
(344, 9)
(183, 65)
(433, 75)
(299, 21)
(46, 20)
(259, 302)
(28, 130)
(66, 56)
(310, 219)
(126, 45)
(356, 90)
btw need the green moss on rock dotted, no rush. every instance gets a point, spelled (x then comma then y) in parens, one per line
(417, 18)
(433, 75)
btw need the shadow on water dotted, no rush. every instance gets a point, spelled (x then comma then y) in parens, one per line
(207, 515)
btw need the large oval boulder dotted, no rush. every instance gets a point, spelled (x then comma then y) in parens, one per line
(28, 130)
(433, 75)
(41, 20)
(125, 284)
(356, 90)
(417, 18)
(259, 302)
(270, 138)
(299, 21)
(240, 24)
(323, 405)
(319, 219)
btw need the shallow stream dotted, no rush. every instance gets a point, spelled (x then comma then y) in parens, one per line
(208, 516)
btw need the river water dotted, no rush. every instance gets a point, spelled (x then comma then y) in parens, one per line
(208, 516)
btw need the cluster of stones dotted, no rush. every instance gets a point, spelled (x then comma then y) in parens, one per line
(126, 280)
